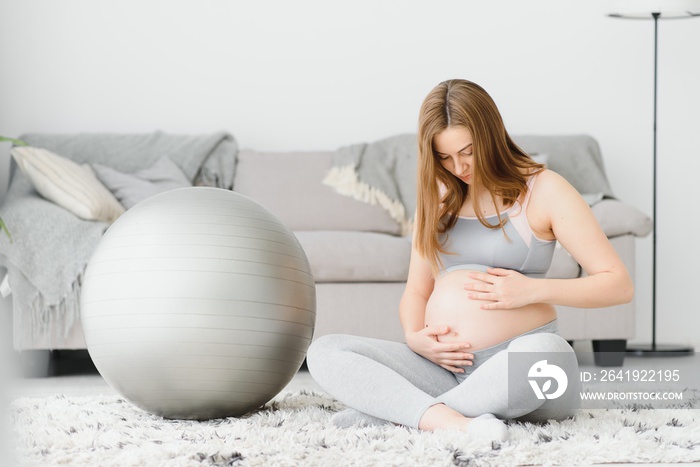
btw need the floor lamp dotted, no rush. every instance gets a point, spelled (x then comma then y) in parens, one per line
(657, 10)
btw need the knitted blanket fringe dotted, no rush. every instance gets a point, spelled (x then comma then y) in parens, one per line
(346, 181)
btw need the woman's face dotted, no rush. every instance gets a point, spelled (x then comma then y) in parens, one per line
(453, 147)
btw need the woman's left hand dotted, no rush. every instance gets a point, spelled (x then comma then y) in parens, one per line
(503, 288)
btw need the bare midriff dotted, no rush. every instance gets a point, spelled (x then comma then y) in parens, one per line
(449, 305)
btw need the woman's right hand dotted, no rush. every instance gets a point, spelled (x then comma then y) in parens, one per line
(449, 355)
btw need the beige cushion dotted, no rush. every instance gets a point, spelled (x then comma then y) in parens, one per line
(69, 185)
(339, 256)
(290, 185)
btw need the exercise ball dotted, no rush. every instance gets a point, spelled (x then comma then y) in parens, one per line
(198, 303)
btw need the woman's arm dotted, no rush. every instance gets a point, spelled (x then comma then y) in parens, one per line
(575, 227)
(557, 211)
(421, 339)
(419, 286)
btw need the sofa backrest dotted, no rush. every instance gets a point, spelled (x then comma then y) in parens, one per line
(290, 185)
(212, 154)
(577, 158)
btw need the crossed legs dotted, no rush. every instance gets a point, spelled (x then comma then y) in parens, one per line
(383, 379)
(389, 381)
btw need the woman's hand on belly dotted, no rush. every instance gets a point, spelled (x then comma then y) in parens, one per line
(450, 305)
(449, 355)
(501, 289)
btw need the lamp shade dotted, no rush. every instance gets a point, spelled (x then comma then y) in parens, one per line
(645, 9)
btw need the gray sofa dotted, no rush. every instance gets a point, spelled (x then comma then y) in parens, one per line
(358, 251)
(360, 259)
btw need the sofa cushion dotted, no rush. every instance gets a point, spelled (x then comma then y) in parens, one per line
(617, 218)
(346, 256)
(132, 188)
(290, 185)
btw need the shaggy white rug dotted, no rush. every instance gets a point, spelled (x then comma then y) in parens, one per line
(294, 430)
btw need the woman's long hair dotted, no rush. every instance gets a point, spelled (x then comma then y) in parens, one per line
(499, 165)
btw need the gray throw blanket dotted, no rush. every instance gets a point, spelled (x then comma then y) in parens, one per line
(52, 246)
(380, 173)
(384, 172)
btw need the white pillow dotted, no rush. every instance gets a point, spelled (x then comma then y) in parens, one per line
(131, 189)
(71, 186)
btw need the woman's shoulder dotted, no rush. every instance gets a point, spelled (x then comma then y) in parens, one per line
(551, 189)
(549, 181)
(551, 197)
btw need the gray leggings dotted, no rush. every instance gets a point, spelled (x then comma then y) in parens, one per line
(388, 380)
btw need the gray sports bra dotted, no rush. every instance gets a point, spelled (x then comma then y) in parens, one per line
(477, 247)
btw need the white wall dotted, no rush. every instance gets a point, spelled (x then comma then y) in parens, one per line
(312, 74)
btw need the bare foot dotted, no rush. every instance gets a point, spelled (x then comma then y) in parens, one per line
(441, 417)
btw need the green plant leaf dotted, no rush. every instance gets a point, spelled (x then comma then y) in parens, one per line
(16, 142)
(3, 227)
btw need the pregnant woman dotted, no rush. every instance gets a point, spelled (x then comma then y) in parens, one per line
(487, 220)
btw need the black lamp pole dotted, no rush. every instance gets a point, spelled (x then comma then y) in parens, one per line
(655, 350)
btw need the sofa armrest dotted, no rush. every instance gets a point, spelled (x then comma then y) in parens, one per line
(51, 245)
(618, 218)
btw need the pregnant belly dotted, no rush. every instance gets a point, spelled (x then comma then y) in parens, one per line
(449, 306)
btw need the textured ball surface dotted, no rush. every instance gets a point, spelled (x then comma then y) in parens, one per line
(198, 303)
